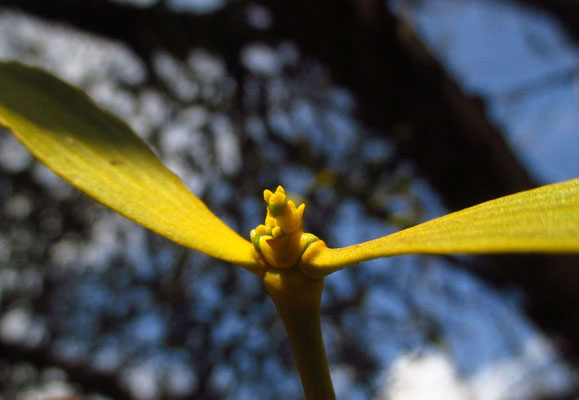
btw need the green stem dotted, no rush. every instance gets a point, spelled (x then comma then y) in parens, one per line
(297, 299)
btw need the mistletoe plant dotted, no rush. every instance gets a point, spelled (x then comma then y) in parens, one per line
(100, 155)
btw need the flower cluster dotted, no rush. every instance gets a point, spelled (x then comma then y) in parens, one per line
(281, 241)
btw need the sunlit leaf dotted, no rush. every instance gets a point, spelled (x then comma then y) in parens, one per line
(544, 220)
(100, 155)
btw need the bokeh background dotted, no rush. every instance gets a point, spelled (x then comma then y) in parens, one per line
(377, 114)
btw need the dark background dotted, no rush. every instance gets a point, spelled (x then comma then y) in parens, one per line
(378, 115)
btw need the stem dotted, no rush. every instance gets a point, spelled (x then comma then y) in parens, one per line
(297, 299)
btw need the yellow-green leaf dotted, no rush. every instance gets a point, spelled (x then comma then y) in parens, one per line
(544, 220)
(100, 155)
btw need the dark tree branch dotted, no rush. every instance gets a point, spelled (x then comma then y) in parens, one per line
(404, 90)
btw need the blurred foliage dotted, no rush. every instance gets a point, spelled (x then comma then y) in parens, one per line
(98, 305)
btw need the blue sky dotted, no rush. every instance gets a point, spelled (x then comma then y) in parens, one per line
(522, 64)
